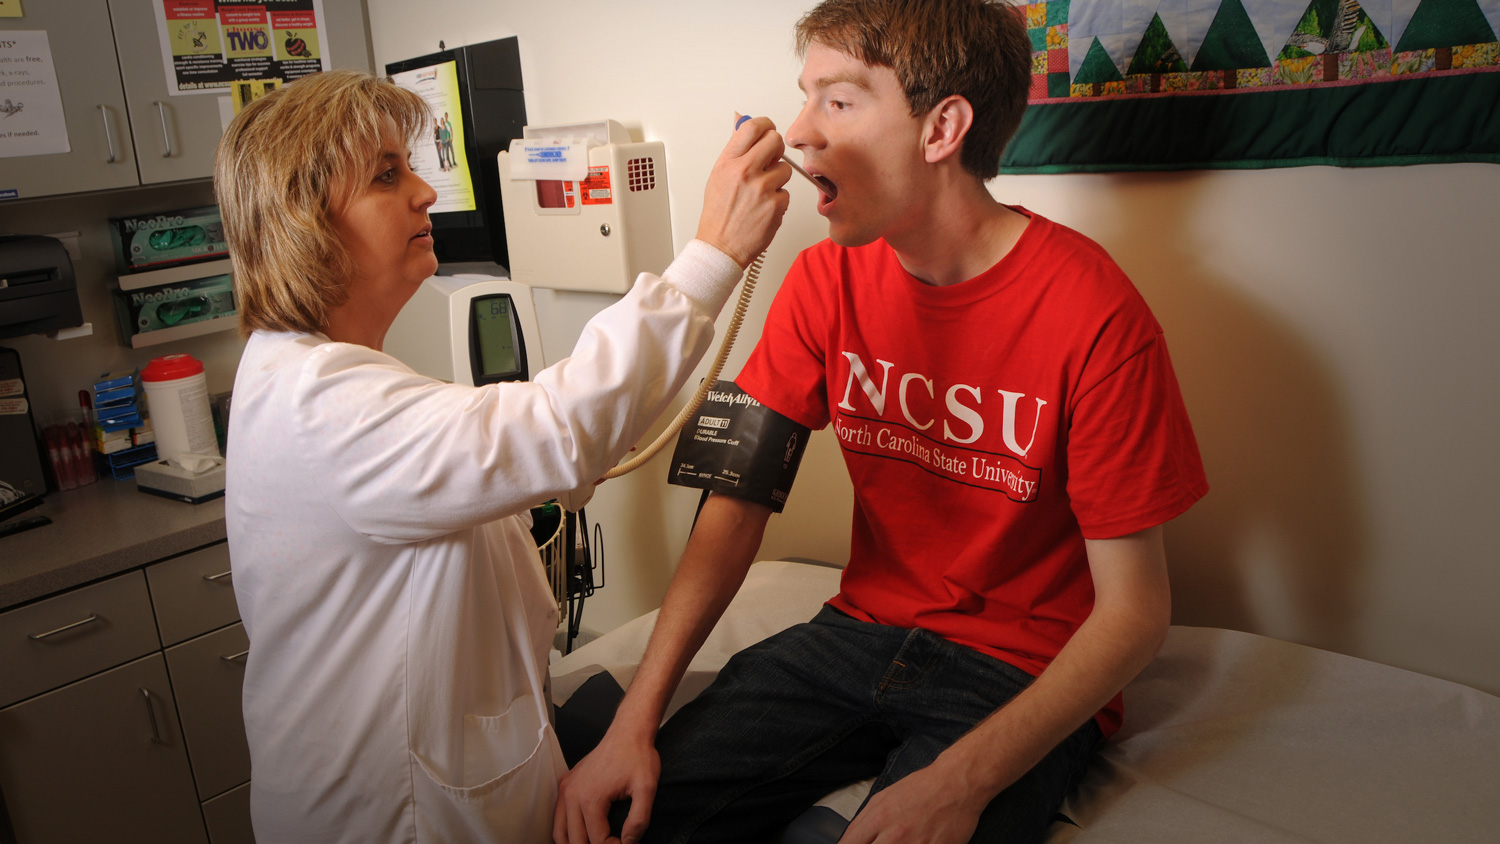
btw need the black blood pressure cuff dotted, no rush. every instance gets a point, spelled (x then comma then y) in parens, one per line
(737, 446)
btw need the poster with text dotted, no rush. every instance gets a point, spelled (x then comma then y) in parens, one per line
(208, 45)
(439, 157)
(31, 111)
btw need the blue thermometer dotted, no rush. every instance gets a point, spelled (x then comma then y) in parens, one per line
(827, 189)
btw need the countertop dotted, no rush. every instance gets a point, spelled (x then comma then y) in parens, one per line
(102, 529)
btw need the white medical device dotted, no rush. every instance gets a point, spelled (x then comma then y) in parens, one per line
(585, 208)
(469, 329)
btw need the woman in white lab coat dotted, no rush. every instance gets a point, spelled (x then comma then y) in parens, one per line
(378, 520)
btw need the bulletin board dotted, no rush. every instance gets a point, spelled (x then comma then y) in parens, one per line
(1239, 84)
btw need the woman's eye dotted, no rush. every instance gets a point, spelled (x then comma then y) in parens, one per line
(387, 176)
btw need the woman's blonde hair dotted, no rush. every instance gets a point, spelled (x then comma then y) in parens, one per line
(284, 164)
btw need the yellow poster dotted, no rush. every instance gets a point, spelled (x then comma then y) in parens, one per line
(248, 91)
(10, 9)
(194, 37)
(208, 46)
(439, 157)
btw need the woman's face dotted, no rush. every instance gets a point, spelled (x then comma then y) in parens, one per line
(384, 226)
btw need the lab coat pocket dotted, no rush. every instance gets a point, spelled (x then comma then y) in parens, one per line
(507, 786)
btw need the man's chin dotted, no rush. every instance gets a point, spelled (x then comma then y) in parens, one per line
(850, 239)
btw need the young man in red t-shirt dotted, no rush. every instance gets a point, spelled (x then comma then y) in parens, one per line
(1015, 436)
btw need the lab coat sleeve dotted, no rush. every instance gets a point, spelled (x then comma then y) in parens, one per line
(402, 457)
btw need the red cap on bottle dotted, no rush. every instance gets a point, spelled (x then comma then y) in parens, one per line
(171, 367)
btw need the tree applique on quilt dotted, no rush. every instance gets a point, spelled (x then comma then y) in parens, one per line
(1114, 48)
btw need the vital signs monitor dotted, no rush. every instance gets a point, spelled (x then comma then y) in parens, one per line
(469, 329)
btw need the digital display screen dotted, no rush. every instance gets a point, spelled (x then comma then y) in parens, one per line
(496, 336)
(439, 157)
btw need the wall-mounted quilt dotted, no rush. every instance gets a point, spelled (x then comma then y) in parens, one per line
(1191, 84)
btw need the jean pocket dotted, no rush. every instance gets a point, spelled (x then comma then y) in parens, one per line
(507, 786)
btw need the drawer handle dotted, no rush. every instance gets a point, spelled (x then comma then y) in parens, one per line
(215, 578)
(37, 637)
(151, 713)
(239, 657)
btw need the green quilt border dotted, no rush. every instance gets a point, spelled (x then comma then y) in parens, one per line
(1417, 121)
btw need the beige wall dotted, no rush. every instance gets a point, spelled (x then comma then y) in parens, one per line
(1331, 329)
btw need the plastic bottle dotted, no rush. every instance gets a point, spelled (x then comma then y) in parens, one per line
(60, 454)
(83, 454)
(177, 393)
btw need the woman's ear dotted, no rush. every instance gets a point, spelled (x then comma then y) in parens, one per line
(945, 128)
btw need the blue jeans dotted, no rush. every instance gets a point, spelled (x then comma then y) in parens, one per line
(831, 702)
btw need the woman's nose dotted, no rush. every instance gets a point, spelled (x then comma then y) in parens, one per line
(425, 195)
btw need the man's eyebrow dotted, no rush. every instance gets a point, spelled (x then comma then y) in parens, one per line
(858, 80)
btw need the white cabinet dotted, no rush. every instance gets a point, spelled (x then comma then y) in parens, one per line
(124, 128)
(100, 760)
(83, 55)
(120, 709)
(175, 137)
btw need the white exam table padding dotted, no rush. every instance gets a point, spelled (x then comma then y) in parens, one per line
(1228, 736)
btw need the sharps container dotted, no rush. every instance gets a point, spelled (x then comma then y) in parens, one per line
(177, 394)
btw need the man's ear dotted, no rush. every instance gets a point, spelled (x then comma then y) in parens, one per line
(945, 128)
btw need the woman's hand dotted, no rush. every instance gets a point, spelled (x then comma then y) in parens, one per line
(744, 201)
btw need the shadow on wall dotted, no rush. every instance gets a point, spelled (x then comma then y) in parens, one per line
(1278, 545)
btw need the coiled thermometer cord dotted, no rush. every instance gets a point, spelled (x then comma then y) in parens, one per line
(752, 275)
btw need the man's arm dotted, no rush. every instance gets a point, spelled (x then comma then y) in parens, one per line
(625, 764)
(1132, 610)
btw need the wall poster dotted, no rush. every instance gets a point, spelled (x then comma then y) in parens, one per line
(440, 159)
(1191, 84)
(208, 45)
(31, 109)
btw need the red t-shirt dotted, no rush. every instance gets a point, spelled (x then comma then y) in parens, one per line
(988, 427)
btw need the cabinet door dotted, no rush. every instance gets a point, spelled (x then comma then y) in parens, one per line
(175, 137)
(208, 677)
(228, 817)
(100, 760)
(83, 55)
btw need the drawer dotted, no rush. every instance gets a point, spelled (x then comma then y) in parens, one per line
(228, 817)
(208, 674)
(193, 593)
(53, 642)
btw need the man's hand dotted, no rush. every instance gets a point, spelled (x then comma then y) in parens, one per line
(617, 769)
(923, 807)
(744, 200)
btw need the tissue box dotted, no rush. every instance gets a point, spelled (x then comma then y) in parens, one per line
(169, 480)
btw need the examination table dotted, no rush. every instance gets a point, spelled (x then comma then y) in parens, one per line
(1228, 736)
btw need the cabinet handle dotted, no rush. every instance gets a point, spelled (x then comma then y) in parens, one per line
(151, 713)
(215, 578)
(236, 657)
(109, 138)
(37, 637)
(166, 136)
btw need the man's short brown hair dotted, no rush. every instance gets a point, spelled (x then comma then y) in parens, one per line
(977, 49)
(285, 163)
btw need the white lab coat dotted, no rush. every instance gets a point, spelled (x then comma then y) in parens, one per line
(399, 619)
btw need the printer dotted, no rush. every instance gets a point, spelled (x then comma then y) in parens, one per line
(38, 292)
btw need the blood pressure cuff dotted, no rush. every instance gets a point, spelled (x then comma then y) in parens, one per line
(737, 446)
